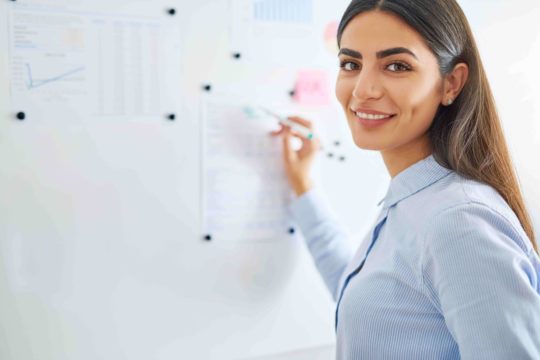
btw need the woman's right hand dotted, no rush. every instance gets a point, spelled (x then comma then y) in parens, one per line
(298, 162)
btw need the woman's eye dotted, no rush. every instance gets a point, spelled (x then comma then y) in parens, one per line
(398, 67)
(348, 65)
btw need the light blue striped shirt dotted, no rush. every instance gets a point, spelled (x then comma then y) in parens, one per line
(447, 272)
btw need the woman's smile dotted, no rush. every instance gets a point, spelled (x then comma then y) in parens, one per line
(372, 118)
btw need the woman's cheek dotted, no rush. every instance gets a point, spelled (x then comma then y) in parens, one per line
(343, 91)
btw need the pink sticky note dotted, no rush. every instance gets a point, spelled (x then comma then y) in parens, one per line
(330, 37)
(312, 88)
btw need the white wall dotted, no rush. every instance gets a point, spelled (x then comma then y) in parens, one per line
(508, 35)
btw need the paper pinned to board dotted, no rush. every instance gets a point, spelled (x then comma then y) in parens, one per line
(245, 190)
(312, 88)
(273, 31)
(62, 61)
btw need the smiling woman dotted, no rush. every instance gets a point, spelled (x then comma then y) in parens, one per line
(449, 270)
(401, 83)
(466, 137)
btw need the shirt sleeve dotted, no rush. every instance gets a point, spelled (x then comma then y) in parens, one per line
(325, 237)
(483, 276)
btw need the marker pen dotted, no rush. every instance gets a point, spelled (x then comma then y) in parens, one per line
(297, 128)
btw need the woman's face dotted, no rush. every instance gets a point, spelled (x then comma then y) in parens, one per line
(389, 83)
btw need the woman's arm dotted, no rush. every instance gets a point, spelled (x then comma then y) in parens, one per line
(484, 277)
(325, 237)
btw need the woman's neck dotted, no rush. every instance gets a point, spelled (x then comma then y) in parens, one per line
(400, 158)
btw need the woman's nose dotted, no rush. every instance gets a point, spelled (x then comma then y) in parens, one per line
(367, 85)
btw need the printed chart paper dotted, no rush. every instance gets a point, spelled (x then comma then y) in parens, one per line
(66, 63)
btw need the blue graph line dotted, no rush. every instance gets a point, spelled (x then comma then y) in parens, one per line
(31, 84)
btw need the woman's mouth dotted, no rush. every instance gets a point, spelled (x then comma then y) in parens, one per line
(372, 120)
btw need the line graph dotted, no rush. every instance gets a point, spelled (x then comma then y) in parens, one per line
(59, 59)
(33, 83)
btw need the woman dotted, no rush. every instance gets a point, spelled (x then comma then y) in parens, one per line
(450, 268)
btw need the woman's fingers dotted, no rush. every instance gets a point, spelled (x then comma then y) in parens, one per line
(306, 143)
(301, 121)
(288, 151)
(278, 131)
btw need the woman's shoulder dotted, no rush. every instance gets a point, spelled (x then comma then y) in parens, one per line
(461, 202)
(456, 191)
(468, 193)
(455, 196)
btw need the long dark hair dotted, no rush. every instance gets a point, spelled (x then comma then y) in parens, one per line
(467, 136)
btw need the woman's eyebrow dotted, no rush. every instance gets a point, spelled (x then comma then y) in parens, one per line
(380, 54)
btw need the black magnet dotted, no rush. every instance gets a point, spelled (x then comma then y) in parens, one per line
(337, 143)
(237, 55)
(208, 237)
(292, 92)
(21, 115)
(171, 117)
(291, 230)
(171, 11)
(330, 155)
(207, 87)
(342, 158)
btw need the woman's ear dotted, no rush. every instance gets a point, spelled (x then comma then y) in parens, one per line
(454, 83)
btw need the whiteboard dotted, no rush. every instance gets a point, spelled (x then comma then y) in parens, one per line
(102, 253)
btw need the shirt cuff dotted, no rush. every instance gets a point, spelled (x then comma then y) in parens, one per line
(310, 209)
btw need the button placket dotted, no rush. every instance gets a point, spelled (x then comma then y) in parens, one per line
(379, 224)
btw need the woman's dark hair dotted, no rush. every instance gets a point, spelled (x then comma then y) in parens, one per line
(467, 136)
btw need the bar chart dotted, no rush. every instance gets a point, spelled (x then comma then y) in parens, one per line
(283, 11)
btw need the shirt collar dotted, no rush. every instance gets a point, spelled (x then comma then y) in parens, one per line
(413, 179)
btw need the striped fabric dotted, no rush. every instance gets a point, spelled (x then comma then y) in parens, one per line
(446, 273)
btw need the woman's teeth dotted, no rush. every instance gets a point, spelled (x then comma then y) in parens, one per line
(372, 117)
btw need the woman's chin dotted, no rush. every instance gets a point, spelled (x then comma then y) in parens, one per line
(367, 144)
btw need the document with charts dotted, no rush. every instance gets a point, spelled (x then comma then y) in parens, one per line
(66, 63)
